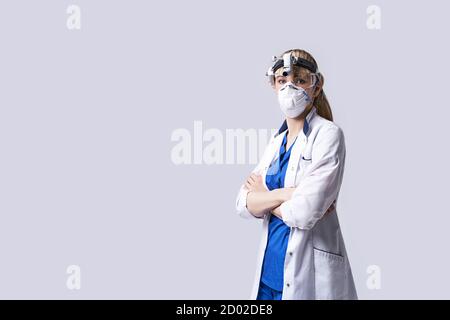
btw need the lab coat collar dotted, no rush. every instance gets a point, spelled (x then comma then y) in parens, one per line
(306, 127)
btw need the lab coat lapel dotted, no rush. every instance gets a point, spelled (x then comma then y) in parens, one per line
(297, 151)
(273, 154)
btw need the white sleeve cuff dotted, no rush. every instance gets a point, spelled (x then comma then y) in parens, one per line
(241, 205)
(286, 214)
(289, 217)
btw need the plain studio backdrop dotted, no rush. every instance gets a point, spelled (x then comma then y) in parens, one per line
(87, 116)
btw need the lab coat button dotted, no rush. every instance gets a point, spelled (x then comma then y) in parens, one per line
(288, 284)
(290, 253)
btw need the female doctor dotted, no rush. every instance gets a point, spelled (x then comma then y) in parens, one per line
(294, 190)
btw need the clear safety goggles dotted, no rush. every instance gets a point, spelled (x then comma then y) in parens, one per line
(300, 79)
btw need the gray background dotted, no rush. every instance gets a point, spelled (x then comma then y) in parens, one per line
(86, 118)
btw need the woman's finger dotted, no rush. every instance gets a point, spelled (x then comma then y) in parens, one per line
(257, 178)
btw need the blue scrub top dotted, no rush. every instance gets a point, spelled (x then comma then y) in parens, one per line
(273, 264)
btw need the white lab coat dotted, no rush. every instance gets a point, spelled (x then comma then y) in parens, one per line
(316, 264)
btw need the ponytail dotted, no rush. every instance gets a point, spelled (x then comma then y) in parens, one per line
(321, 103)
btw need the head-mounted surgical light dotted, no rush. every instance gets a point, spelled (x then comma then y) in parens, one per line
(287, 63)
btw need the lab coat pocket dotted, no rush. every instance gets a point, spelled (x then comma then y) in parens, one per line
(305, 161)
(329, 275)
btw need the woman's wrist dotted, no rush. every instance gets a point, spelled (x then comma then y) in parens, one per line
(279, 195)
(283, 194)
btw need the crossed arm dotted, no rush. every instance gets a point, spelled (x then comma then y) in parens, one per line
(260, 199)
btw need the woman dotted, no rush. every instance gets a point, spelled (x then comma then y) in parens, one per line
(294, 189)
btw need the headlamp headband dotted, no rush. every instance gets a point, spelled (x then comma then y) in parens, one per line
(287, 62)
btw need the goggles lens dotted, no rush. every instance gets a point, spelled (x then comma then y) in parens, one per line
(305, 80)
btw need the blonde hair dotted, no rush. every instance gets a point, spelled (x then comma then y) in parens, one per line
(320, 101)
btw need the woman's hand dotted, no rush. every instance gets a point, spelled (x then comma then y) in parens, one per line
(255, 183)
(277, 212)
(285, 195)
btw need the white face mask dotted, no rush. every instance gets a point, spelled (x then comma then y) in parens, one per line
(293, 100)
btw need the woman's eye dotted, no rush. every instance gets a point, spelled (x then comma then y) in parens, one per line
(300, 81)
(281, 81)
